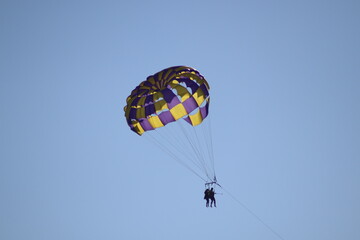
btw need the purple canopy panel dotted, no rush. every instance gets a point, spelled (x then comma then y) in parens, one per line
(145, 124)
(188, 120)
(149, 99)
(149, 109)
(132, 113)
(204, 111)
(189, 83)
(149, 106)
(190, 104)
(170, 97)
(166, 117)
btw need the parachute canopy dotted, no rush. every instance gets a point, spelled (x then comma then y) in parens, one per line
(174, 93)
(171, 96)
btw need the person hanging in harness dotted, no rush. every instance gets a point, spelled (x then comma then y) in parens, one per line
(211, 195)
(207, 197)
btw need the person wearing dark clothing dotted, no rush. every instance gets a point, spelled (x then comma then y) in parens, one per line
(211, 195)
(206, 196)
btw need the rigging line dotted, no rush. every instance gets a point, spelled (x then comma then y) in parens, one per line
(196, 151)
(211, 142)
(197, 147)
(253, 214)
(206, 136)
(175, 158)
(174, 148)
(174, 135)
(205, 159)
(170, 131)
(204, 148)
(200, 146)
(170, 138)
(172, 141)
(207, 133)
(199, 131)
(202, 132)
(193, 147)
(191, 141)
(185, 144)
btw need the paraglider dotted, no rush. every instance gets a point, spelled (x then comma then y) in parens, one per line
(171, 108)
(207, 197)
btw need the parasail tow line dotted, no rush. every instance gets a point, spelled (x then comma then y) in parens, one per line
(252, 213)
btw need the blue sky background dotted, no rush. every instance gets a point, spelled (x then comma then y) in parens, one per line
(285, 80)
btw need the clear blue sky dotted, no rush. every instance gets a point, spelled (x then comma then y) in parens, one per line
(285, 110)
